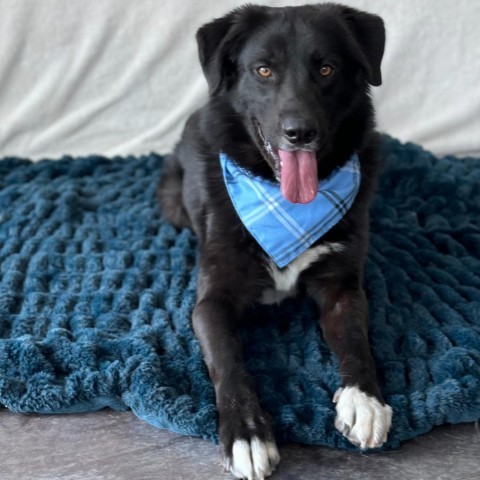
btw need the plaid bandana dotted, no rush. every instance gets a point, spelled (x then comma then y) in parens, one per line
(283, 229)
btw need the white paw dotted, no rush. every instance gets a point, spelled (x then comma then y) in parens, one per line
(254, 460)
(362, 418)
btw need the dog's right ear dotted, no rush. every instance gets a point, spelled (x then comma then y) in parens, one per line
(219, 42)
(209, 40)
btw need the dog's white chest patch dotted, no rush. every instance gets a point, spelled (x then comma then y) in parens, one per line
(286, 279)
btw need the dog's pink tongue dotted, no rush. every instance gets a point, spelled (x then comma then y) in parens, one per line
(299, 176)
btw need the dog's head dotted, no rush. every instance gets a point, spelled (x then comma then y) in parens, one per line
(293, 74)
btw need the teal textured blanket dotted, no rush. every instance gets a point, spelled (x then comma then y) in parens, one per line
(96, 293)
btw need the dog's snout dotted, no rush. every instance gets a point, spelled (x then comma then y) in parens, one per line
(299, 131)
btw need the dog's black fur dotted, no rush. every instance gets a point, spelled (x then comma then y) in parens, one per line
(248, 115)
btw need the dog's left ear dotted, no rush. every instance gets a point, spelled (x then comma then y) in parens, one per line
(368, 40)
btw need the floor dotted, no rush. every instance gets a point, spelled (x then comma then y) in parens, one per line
(110, 445)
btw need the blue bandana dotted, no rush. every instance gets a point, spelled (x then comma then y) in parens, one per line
(283, 229)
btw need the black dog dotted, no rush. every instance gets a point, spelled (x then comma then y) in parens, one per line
(289, 103)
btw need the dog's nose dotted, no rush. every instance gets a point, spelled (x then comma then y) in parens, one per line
(299, 131)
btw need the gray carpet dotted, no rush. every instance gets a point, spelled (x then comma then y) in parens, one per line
(110, 445)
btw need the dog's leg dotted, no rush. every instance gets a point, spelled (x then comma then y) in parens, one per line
(170, 194)
(244, 429)
(362, 415)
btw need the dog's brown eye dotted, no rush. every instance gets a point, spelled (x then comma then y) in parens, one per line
(326, 70)
(264, 72)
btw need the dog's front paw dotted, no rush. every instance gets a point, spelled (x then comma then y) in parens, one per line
(248, 444)
(362, 418)
(253, 459)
